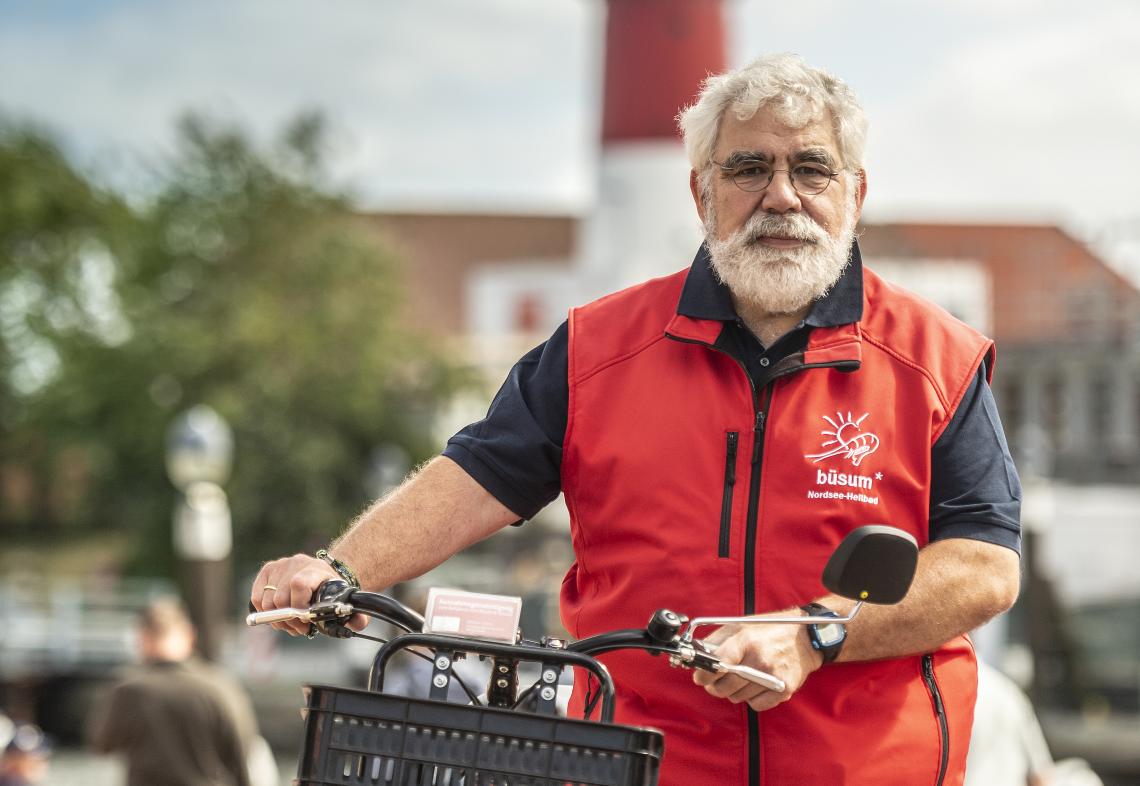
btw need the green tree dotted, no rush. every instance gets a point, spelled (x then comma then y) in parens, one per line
(247, 283)
(58, 236)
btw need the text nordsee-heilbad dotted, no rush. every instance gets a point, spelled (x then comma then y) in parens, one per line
(833, 478)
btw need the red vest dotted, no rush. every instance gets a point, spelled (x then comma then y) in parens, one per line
(689, 490)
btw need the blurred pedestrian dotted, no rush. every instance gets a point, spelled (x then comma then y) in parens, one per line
(177, 720)
(1007, 746)
(24, 761)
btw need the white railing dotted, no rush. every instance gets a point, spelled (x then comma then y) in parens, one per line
(52, 626)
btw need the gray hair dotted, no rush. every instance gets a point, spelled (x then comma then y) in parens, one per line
(798, 93)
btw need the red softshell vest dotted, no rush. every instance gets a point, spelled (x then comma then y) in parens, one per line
(667, 443)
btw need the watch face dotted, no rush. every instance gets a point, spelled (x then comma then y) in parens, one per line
(829, 634)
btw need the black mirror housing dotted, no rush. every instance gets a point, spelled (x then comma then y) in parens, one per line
(874, 563)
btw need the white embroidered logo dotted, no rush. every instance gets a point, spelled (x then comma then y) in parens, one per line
(847, 440)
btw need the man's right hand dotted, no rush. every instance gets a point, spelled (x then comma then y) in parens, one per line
(292, 581)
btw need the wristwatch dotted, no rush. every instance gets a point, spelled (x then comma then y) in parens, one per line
(825, 637)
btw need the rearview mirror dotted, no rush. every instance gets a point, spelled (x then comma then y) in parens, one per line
(874, 563)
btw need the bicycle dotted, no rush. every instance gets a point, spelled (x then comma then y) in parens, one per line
(507, 738)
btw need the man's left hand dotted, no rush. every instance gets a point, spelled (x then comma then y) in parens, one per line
(781, 650)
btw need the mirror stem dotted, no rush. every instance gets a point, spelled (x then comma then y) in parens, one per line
(699, 622)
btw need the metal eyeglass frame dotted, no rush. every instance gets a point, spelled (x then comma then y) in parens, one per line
(728, 170)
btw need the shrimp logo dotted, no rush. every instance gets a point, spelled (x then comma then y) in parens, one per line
(847, 440)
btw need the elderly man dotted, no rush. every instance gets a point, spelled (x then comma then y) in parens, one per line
(716, 433)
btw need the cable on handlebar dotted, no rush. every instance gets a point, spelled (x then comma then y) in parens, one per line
(526, 694)
(357, 635)
(590, 700)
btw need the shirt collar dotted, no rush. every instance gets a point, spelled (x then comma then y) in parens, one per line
(704, 296)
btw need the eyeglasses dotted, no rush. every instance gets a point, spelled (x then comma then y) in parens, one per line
(808, 178)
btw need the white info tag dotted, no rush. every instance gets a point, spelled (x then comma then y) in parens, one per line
(472, 614)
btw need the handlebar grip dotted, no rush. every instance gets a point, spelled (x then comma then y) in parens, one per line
(333, 589)
(754, 675)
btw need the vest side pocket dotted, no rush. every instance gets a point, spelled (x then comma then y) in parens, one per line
(732, 439)
(940, 713)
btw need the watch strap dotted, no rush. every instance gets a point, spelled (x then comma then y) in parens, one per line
(829, 651)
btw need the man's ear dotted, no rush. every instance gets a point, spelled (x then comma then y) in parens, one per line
(695, 189)
(861, 194)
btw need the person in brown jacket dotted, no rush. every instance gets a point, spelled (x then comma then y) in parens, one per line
(177, 720)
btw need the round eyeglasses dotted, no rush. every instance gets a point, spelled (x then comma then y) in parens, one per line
(808, 178)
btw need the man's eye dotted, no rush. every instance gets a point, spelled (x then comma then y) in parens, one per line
(812, 170)
(812, 177)
(751, 170)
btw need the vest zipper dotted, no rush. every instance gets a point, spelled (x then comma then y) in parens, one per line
(754, 502)
(940, 712)
(726, 501)
(749, 538)
(788, 365)
(784, 367)
(750, 565)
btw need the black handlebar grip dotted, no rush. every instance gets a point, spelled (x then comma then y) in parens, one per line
(333, 589)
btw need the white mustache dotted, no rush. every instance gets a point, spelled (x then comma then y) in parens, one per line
(794, 226)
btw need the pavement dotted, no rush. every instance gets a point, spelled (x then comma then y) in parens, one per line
(79, 768)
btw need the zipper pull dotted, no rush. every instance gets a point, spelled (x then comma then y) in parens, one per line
(730, 459)
(928, 674)
(757, 437)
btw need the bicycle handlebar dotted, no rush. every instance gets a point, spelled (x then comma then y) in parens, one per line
(873, 564)
(336, 602)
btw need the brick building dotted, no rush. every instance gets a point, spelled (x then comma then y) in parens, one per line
(1067, 325)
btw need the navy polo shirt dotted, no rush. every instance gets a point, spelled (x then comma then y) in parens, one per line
(515, 452)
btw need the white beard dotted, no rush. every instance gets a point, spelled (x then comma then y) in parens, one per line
(781, 280)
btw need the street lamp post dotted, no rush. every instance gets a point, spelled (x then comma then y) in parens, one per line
(199, 453)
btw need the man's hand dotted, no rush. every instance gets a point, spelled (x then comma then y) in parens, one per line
(438, 511)
(291, 581)
(781, 650)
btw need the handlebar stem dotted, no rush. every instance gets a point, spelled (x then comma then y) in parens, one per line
(437, 641)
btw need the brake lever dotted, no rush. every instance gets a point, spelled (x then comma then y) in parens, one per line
(331, 605)
(277, 615)
(326, 611)
(753, 675)
(701, 655)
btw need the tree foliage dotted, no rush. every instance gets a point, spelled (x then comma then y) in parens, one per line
(246, 283)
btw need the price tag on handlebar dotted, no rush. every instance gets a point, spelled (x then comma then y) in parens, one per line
(472, 614)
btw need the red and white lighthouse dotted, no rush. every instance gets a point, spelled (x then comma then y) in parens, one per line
(657, 54)
(643, 224)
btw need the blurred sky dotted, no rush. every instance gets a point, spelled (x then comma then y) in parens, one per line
(980, 109)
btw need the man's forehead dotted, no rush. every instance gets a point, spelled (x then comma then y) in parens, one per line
(764, 133)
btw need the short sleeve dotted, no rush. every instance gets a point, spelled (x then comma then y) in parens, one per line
(974, 488)
(515, 452)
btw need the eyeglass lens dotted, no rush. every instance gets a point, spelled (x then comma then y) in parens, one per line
(807, 178)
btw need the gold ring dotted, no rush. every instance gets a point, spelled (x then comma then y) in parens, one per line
(269, 587)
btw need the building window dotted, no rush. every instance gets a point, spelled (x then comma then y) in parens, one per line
(527, 313)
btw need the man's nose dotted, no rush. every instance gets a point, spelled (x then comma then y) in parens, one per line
(780, 197)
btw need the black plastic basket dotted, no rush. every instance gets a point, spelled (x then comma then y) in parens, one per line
(360, 738)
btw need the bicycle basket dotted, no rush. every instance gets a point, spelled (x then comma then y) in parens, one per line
(359, 738)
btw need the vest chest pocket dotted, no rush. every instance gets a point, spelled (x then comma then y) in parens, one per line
(731, 441)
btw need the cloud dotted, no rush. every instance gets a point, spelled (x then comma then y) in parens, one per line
(982, 108)
(429, 97)
(1036, 119)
